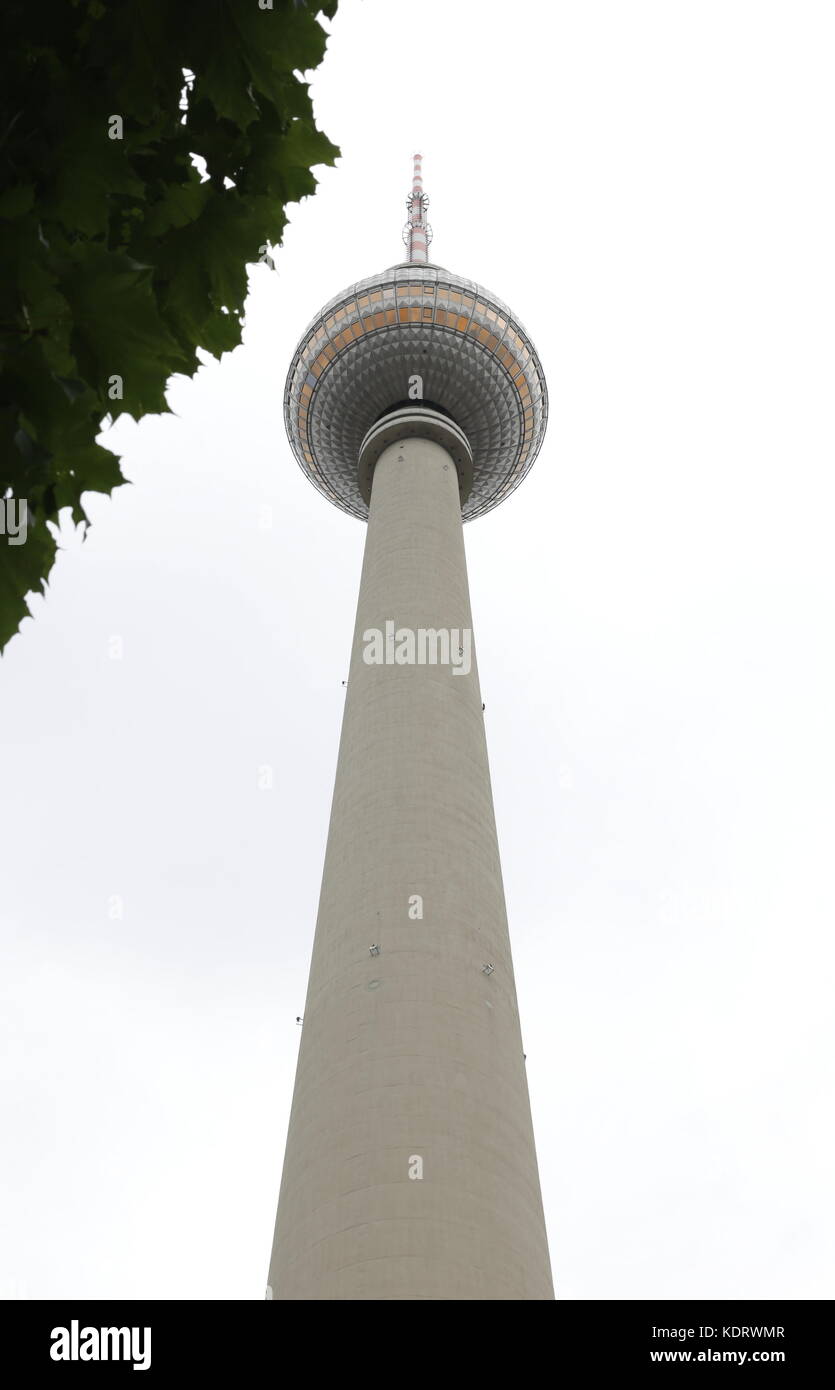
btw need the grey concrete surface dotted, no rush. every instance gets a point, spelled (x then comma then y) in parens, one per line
(410, 1169)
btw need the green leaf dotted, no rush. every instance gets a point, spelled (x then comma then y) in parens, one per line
(89, 171)
(120, 263)
(17, 201)
(23, 570)
(118, 331)
(180, 204)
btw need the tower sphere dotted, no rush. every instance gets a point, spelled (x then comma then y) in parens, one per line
(416, 328)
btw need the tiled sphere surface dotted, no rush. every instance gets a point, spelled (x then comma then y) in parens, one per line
(355, 362)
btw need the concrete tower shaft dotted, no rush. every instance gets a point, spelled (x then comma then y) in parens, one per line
(410, 1169)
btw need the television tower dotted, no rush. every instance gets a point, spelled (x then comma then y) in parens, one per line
(415, 400)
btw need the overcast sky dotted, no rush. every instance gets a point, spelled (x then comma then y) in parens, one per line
(649, 186)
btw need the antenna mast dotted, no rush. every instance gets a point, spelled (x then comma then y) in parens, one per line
(417, 232)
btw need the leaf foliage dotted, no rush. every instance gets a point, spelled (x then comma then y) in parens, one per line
(121, 258)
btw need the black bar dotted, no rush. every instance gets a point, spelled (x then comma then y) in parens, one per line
(233, 1340)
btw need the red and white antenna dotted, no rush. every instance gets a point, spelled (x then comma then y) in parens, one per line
(417, 232)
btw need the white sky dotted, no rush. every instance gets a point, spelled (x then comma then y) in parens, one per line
(649, 186)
